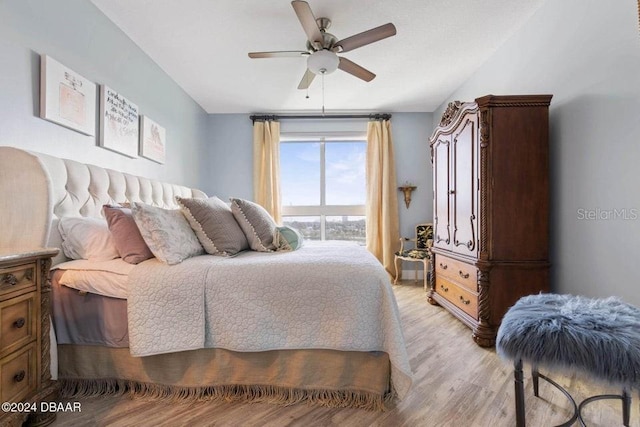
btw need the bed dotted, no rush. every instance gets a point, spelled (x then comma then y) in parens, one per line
(317, 325)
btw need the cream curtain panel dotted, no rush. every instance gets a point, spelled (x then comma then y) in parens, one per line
(383, 235)
(266, 167)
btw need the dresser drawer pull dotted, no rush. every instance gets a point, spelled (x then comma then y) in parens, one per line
(444, 289)
(9, 279)
(463, 275)
(465, 301)
(19, 323)
(443, 266)
(19, 376)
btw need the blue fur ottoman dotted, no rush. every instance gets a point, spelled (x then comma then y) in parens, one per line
(597, 337)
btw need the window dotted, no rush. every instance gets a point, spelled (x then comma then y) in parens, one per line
(323, 188)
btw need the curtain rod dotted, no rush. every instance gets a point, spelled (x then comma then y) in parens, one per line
(263, 117)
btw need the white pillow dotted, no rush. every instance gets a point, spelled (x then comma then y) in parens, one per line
(87, 238)
(167, 233)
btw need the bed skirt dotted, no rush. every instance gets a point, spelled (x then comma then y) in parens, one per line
(321, 377)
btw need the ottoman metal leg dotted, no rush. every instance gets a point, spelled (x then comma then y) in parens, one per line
(576, 409)
(626, 407)
(536, 375)
(519, 388)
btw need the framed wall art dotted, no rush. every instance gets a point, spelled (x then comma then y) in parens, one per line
(67, 98)
(118, 122)
(152, 140)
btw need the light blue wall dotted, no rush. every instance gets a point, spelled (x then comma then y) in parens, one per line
(230, 157)
(411, 133)
(78, 35)
(587, 54)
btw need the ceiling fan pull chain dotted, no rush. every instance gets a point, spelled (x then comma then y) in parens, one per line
(323, 94)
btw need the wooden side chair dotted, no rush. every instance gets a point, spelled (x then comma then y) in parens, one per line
(419, 253)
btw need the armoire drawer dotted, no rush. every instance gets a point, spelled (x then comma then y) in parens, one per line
(458, 295)
(462, 273)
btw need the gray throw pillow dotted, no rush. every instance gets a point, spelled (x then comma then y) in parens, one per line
(166, 232)
(214, 224)
(256, 223)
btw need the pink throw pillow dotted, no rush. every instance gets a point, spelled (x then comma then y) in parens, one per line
(126, 235)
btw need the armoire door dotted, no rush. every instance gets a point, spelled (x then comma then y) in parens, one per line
(464, 191)
(441, 186)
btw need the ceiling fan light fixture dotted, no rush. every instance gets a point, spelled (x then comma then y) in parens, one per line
(323, 62)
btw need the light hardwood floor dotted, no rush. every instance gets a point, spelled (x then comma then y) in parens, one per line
(456, 384)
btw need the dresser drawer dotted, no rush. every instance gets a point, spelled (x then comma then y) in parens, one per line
(462, 273)
(18, 374)
(18, 322)
(461, 297)
(17, 278)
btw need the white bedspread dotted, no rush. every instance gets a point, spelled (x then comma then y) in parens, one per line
(329, 297)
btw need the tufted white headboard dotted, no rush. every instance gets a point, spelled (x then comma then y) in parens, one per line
(37, 189)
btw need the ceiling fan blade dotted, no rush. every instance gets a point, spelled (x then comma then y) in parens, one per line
(306, 79)
(308, 21)
(366, 37)
(278, 54)
(356, 70)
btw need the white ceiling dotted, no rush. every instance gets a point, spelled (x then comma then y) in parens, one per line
(203, 46)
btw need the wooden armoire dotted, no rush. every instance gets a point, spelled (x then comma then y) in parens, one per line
(491, 206)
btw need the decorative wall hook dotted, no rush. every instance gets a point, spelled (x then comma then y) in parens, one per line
(407, 188)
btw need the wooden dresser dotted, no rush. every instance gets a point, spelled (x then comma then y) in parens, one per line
(491, 207)
(24, 336)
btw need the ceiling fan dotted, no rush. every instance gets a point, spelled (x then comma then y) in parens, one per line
(322, 47)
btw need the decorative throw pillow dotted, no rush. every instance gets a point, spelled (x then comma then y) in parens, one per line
(126, 235)
(86, 238)
(166, 232)
(213, 222)
(288, 239)
(256, 223)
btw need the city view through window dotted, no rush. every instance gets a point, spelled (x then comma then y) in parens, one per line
(323, 189)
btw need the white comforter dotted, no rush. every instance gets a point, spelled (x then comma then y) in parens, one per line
(329, 297)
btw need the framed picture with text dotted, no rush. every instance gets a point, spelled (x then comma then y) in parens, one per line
(152, 140)
(118, 122)
(67, 98)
